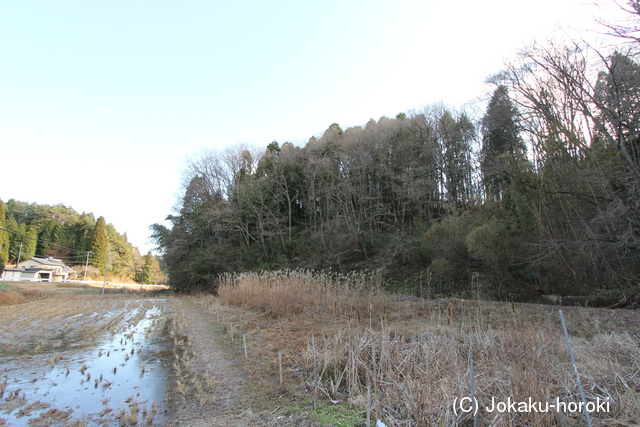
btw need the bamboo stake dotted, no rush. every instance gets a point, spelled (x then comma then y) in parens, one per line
(473, 390)
(368, 404)
(315, 382)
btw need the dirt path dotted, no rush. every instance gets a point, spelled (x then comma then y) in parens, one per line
(232, 403)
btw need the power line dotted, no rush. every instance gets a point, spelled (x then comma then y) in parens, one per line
(40, 240)
(79, 257)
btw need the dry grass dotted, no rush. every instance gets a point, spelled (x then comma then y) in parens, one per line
(414, 354)
(294, 292)
(9, 297)
(191, 384)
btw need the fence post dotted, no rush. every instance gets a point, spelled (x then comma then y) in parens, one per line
(575, 368)
(244, 343)
(368, 403)
(473, 390)
(315, 373)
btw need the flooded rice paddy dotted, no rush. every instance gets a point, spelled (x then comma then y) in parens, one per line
(80, 361)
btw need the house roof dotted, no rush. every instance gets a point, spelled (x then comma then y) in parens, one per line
(49, 261)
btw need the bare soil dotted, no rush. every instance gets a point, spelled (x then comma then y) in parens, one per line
(233, 403)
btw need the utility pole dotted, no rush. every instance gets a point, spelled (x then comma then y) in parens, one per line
(106, 270)
(19, 255)
(86, 265)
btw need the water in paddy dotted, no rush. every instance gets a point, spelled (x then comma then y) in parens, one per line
(98, 363)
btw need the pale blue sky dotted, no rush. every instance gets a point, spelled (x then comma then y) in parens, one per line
(102, 101)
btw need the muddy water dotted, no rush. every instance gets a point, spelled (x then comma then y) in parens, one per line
(96, 361)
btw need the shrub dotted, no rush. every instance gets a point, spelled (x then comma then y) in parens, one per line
(445, 245)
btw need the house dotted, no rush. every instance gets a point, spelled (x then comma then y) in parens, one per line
(39, 269)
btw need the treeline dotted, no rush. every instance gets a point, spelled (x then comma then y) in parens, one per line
(539, 195)
(29, 229)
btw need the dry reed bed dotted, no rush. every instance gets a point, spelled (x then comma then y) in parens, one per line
(414, 354)
(292, 292)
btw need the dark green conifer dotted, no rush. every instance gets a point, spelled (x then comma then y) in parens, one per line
(4, 236)
(100, 245)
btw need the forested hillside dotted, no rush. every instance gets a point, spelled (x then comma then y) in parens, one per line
(28, 229)
(539, 195)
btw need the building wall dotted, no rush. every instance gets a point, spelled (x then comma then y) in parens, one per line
(11, 274)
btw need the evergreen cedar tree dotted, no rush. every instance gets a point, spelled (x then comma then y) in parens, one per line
(4, 236)
(426, 197)
(100, 246)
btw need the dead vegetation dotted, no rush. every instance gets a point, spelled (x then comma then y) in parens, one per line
(191, 383)
(10, 297)
(406, 360)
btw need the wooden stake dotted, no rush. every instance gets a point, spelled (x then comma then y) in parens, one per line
(473, 390)
(368, 404)
(244, 342)
(315, 373)
(257, 345)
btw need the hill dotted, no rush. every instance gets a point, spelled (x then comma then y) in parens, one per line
(29, 229)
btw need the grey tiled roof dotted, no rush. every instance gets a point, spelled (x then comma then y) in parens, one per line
(51, 261)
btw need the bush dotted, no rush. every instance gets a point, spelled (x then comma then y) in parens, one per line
(498, 257)
(445, 245)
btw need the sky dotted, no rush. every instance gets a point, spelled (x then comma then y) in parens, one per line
(103, 101)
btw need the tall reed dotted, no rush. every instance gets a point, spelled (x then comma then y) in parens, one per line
(291, 292)
(413, 354)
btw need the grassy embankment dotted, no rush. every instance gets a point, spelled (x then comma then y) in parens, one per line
(14, 294)
(21, 292)
(406, 359)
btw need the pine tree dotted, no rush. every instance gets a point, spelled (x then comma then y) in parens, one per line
(45, 238)
(30, 241)
(100, 245)
(4, 236)
(15, 238)
(83, 231)
(150, 269)
(121, 253)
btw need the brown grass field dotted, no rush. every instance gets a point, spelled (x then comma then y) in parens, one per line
(405, 361)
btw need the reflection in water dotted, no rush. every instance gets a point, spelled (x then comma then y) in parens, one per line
(101, 362)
